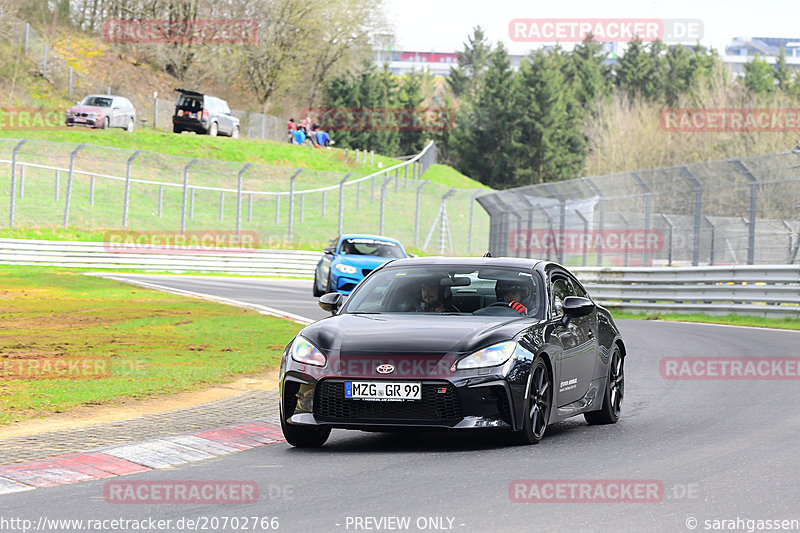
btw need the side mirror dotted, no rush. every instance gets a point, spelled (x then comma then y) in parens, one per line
(330, 302)
(329, 250)
(575, 306)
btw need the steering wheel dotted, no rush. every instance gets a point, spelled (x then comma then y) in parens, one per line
(498, 304)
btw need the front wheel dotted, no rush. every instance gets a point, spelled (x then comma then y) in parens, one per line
(213, 130)
(537, 406)
(317, 293)
(235, 132)
(129, 127)
(615, 388)
(304, 436)
(104, 125)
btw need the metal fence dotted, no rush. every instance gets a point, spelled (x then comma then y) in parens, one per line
(92, 187)
(152, 111)
(737, 211)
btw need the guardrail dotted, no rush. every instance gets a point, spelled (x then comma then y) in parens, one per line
(766, 290)
(772, 291)
(98, 255)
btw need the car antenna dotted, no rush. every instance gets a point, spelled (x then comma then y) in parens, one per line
(487, 254)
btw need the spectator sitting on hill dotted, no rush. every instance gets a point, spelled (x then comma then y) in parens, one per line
(298, 136)
(291, 126)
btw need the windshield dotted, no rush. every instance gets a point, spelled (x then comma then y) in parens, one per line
(371, 247)
(97, 101)
(445, 289)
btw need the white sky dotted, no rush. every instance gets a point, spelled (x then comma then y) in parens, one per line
(443, 25)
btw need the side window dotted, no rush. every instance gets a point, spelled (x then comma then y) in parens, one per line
(223, 107)
(560, 288)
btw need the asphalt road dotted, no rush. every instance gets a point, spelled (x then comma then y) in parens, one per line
(723, 450)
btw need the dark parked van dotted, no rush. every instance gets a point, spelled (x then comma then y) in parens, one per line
(202, 113)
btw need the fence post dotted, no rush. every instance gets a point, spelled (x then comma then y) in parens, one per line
(185, 193)
(647, 214)
(128, 190)
(751, 237)
(671, 235)
(27, 35)
(698, 214)
(291, 200)
(239, 203)
(91, 190)
(471, 216)
(383, 201)
(346, 154)
(324, 201)
(602, 215)
(562, 218)
(155, 109)
(713, 238)
(416, 214)
(277, 208)
(341, 201)
(13, 181)
(585, 233)
(221, 204)
(160, 199)
(69, 90)
(371, 157)
(396, 179)
(44, 63)
(21, 182)
(58, 183)
(627, 242)
(250, 207)
(69, 181)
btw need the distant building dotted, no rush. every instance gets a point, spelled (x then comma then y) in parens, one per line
(741, 50)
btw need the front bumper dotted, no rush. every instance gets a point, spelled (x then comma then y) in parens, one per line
(466, 399)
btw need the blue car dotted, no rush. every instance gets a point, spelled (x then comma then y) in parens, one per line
(350, 258)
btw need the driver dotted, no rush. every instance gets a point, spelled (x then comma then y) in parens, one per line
(432, 296)
(514, 293)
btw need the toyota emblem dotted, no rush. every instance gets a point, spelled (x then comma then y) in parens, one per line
(385, 369)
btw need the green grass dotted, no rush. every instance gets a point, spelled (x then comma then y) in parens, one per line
(732, 320)
(155, 342)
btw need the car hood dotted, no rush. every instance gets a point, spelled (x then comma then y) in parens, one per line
(411, 333)
(88, 109)
(362, 261)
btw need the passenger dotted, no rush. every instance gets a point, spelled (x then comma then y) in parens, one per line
(432, 296)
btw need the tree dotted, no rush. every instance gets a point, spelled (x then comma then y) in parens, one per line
(466, 78)
(782, 73)
(589, 75)
(759, 76)
(547, 141)
(635, 73)
(678, 77)
(484, 139)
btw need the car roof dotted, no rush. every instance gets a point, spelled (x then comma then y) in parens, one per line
(189, 92)
(368, 236)
(479, 262)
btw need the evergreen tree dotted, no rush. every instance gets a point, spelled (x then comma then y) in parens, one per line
(782, 73)
(678, 77)
(759, 76)
(589, 75)
(410, 102)
(466, 78)
(635, 72)
(547, 141)
(484, 141)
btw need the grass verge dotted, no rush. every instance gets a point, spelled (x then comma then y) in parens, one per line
(731, 320)
(125, 342)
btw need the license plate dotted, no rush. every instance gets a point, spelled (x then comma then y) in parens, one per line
(80, 119)
(386, 391)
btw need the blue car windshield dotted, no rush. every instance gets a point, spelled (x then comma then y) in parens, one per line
(359, 246)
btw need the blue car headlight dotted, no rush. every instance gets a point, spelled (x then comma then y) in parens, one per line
(345, 269)
(493, 355)
(303, 351)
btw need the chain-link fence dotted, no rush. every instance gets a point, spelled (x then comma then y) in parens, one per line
(151, 112)
(738, 211)
(92, 187)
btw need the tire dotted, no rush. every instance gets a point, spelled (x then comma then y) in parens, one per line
(317, 293)
(130, 126)
(235, 132)
(104, 125)
(537, 406)
(213, 130)
(304, 436)
(176, 129)
(614, 392)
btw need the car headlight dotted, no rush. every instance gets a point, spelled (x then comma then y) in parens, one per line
(304, 352)
(493, 355)
(345, 269)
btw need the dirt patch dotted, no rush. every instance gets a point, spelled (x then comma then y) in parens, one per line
(124, 409)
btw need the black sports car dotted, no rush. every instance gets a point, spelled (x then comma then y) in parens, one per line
(454, 343)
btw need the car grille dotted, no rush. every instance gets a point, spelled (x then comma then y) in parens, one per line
(330, 403)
